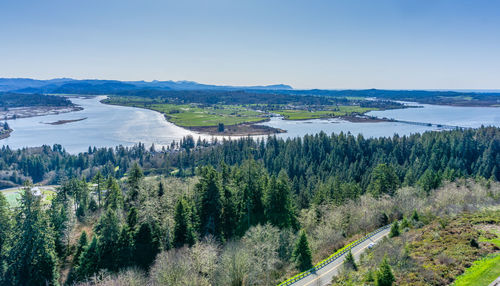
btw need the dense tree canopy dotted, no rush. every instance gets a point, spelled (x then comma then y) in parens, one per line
(237, 203)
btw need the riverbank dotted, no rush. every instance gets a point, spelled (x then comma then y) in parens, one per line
(5, 133)
(32, 111)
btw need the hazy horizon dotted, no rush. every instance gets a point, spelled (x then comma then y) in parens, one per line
(389, 44)
(269, 84)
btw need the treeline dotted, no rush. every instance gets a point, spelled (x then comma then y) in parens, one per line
(234, 97)
(9, 100)
(465, 98)
(320, 167)
(323, 167)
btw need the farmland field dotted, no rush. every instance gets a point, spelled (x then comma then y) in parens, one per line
(342, 110)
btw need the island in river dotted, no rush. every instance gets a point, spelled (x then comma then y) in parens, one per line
(65, 121)
(237, 116)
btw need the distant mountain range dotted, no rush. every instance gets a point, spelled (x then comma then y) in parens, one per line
(92, 86)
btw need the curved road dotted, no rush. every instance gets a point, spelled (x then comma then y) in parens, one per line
(324, 276)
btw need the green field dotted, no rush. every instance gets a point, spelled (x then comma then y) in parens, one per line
(342, 110)
(12, 195)
(195, 115)
(482, 272)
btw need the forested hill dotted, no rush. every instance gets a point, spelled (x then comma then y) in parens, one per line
(189, 88)
(9, 100)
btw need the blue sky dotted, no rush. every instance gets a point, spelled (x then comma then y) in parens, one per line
(418, 44)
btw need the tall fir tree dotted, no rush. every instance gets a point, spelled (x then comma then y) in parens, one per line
(80, 248)
(384, 274)
(99, 181)
(89, 261)
(383, 180)
(210, 206)
(125, 247)
(6, 225)
(183, 231)
(278, 204)
(229, 216)
(146, 246)
(114, 197)
(349, 262)
(394, 229)
(108, 230)
(134, 179)
(302, 252)
(132, 218)
(161, 189)
(5, 234)
(250, 184)
(32, 259)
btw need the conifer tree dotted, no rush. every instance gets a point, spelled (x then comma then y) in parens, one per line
(302, 253)
(384, 274)
(114, 197)
(32, 259)
(108, 231)
(383, 180)
(89, 260)
(394, 229)
(132, 218)
(229, 215)
(5, 234)
(146, 246)
(60, 213)
(429, 180)
(134, 178)
(349, 262)
(209, 192)
(405, 223)
(251, 207)
(183, 232)
(161, 189)
(99, 180)
(278, 204)
(6, 224)
(415, 216)
(125, 247)
(82, 245)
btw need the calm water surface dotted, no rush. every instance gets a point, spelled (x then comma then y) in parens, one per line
(105, 126)
(109, 126)
(449, 115)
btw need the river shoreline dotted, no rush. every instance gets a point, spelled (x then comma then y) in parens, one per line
(243, 129)
(5, 134)
(33, 111)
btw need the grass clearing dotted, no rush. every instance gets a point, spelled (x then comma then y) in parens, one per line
(482, 272)
(332, 111)
(14, 194)
(195, 115)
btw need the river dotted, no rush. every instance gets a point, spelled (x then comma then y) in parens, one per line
(109, 126)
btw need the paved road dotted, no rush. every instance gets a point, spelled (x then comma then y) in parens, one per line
(324, 275)
(496, 282)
